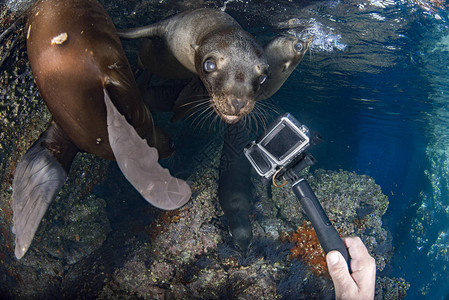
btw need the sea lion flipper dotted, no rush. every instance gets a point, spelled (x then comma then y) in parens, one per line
(39, 176)
(139, 163)
(151, 30)
(192, 98)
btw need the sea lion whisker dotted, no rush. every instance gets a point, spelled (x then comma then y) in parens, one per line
(256, 119)
(204, 113)
(257, 112)
(196, 121)
(207, 117)
(256, 124)
(215, 122)
(269, 106)
(204, 102)
(244, 121)
(200, 106)
(272, 105)
(262, 114)
(265, 119)
(204, 118)
(198, 109)
(250, 119)
(196, 102)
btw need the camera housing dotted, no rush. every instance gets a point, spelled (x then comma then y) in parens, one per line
(282, 142)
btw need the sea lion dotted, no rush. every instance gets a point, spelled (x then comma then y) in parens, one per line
(235, 186)
(283, 54)
(210, 44)
(84, 77)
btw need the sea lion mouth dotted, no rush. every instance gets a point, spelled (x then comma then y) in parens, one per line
(225, 112)
(230, 119)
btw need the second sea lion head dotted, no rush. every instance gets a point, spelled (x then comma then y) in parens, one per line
(283, 54)
(289, 50)
(233, 68)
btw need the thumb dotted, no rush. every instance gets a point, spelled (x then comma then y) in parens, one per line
(338, 269)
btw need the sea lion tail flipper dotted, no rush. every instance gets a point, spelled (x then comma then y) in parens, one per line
(139, 163)
(152, 30)
(39, 176)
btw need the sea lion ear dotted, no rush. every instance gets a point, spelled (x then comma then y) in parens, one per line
(138, 162)
(195, 47)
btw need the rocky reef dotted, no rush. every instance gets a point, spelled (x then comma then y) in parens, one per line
(188, 253)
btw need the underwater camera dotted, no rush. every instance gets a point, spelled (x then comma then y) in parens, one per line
(283, 141)
(280, 154)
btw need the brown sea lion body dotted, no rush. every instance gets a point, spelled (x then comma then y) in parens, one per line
(82, 73)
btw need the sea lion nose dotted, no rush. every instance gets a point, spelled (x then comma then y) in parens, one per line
(238, 105)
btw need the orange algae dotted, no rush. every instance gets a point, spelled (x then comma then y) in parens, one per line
(166, 217)
(307, 248)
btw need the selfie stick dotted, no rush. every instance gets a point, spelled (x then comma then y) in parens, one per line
(326, 233)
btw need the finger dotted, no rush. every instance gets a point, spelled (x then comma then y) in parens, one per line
(360, 256)
(338, 270)
(356, 247)
(363, 264)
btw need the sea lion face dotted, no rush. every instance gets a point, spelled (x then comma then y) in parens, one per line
(291, 50)
(283, 54)
(233, 68)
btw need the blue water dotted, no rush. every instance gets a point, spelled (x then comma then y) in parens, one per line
(382, 107)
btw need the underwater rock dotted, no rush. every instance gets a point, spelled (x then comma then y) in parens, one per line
(18, 5)
(391, 288)
(354, 203)
(190, 255)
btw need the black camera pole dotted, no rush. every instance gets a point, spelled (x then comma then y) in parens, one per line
(327, 235)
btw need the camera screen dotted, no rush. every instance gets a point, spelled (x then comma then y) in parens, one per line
(283, 140)
(260, 160)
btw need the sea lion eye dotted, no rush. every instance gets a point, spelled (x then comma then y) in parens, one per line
(298, 47)
(209, 66)
(262, 78)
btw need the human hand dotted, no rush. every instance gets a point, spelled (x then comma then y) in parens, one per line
(361, 283)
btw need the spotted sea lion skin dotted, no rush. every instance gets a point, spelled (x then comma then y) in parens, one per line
(85, 79)
(210, 44)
